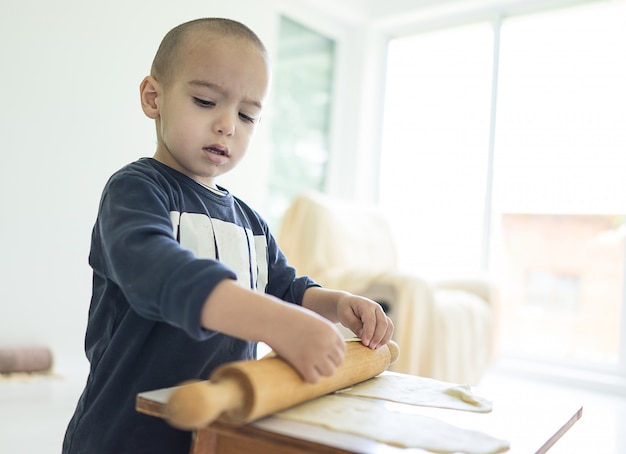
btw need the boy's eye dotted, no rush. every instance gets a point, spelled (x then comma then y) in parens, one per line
(203, 102)
(246, 118)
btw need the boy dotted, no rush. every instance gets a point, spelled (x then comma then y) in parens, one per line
(186, 276)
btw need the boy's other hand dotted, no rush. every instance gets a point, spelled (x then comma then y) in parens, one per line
(366, 319)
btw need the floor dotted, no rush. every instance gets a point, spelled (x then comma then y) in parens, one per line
(43, 406)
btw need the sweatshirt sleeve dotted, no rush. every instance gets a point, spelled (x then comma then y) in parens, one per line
(134, 249)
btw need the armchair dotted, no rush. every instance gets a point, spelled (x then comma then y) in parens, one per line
(444, 329)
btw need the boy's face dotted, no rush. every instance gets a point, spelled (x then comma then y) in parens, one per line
(207, 113)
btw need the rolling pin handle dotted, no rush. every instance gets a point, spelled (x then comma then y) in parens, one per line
(197, 404)
(394, 351)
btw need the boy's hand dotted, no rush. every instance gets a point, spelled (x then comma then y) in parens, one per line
(310, 343)
(366, 319)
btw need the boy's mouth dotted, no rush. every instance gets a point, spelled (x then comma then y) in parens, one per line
(217, 149)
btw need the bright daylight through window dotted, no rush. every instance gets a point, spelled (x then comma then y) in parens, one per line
(557, 199)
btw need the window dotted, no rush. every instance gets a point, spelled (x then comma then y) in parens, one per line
(559, 188)
(435, 145)
(548, 291)
(547, 191)
(302, 94)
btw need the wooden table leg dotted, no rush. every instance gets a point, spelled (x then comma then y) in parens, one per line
(203, 441)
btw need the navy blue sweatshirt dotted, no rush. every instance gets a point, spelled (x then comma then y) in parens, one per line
(160, 244)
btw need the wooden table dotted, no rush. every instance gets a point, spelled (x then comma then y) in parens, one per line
(531, 423)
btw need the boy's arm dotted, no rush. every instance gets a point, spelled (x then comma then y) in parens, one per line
(363, 316)
(308, 341)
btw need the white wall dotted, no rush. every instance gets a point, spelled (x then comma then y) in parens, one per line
(69, 117)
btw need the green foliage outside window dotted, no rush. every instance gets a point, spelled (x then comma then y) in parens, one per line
(302, 96)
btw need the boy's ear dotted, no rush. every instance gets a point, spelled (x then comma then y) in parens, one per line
(149, 91)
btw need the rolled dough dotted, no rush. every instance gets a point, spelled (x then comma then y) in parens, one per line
(372, 420)
(412, 390)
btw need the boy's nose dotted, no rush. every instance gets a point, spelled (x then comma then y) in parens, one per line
(224, 124)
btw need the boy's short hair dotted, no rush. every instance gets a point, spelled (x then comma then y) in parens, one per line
(164, 61)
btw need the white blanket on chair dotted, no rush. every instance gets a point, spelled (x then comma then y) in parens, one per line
(350, 247)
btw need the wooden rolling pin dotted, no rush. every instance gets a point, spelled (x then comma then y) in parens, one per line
(244, 391)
